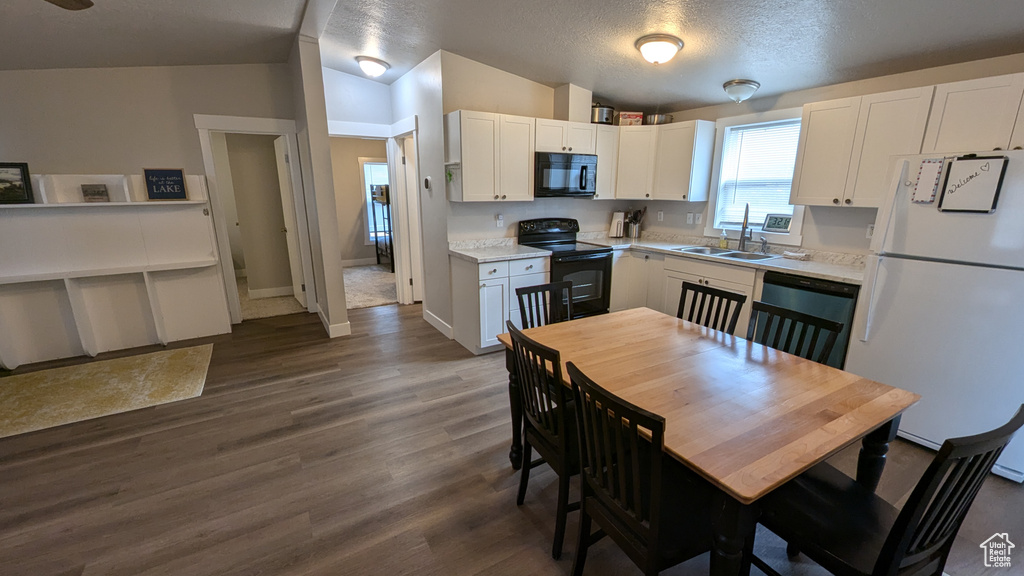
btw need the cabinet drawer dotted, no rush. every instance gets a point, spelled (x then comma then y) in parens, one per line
(493, 270)
(726, 272)
(529, 266)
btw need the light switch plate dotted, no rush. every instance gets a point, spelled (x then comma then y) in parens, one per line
(700, 217)
(661, 215)
(689, 217)
(871, 230)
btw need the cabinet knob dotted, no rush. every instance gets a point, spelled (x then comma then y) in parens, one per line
(683, 196)
(495, 196)
(646, 256)
(502, 196)
(530, 267)
(570, 148)
(1018, 147)
(597, 195)
(647, 195)
(563, 148)
(848, 201)
(707, 282)
(835, 200)
(495, 271)
(996, 148)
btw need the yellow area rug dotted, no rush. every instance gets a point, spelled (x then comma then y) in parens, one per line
(58, 396)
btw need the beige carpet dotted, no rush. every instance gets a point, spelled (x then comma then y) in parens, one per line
(265, 307)
(48, 398)
(367, 286)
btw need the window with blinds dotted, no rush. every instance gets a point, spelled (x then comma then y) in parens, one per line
(756, 168)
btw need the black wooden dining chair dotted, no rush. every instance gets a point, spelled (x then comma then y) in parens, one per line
(850, 531)
(803, 335)
(549, 426)
(545, 303)
(651, 505)
(710, 307)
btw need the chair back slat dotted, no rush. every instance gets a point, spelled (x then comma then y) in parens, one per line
(926, 526)
(622, 457)
(710, 307)
(542, 394)
(545, 303)
(794, 332)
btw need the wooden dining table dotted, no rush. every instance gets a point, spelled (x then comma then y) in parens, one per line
(746, 417)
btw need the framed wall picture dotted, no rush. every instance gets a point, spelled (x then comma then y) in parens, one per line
(95, 193)
(15, 185)
(165, 183)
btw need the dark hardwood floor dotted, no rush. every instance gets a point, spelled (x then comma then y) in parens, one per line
(385, 452)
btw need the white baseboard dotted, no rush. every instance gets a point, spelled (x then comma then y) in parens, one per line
(436, 322)
(335, 330)
(358, 262)
(271, 292)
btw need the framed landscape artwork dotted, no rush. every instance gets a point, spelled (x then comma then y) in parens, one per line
(15, 186)
(165, 184)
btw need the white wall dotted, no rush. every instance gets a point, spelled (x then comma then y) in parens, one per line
(418, 93)
(353, 99)
(258, 197)
(348, 190)
(120, 120)
(226, 197)
(470, 85)
(318, 183)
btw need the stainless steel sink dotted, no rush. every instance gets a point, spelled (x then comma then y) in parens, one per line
(748, 256)
(707, 250)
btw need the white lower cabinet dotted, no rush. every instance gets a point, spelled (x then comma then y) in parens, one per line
(484, 298)
(636, 280)
(723, 276)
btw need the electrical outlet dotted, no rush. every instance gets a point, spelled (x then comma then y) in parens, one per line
(871, 230)
(661, 215)
(499, 221)
(689, 217)
(700, 217)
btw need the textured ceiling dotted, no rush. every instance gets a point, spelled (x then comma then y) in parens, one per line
(786, 45)
(36, 34)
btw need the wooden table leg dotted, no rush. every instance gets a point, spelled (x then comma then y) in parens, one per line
(515, 454)
(733, 526)
(871, 460)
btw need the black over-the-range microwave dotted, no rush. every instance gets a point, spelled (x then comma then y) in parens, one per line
(557, 174)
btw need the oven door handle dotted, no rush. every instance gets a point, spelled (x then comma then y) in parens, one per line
(580, 257)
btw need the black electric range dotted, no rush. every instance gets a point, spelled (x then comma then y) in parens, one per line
(587, 266)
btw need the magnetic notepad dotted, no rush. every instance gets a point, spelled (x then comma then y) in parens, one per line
(928, 181)
(972, 184)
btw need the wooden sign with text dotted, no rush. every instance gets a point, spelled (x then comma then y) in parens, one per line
(165, 184)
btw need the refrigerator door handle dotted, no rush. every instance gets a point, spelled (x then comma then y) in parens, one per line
(874, 264)
(887, 215)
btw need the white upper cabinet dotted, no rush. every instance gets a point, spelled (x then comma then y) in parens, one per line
(516, 157)
(635, 176)
(823, 155)
(562, 136)
(683, 157)
(975, 115)
(845, 146)
(889, 124)
(490, 156)
(607, 161)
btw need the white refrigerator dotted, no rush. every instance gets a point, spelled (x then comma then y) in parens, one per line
(941, 311)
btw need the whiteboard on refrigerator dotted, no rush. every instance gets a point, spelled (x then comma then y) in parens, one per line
(972, 184)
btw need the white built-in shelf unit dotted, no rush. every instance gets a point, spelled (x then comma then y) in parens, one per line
(87, 277)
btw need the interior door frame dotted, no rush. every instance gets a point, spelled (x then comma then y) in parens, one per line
(271, 127)
(400, 204)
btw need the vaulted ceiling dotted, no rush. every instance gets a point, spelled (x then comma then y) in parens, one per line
(786, 45)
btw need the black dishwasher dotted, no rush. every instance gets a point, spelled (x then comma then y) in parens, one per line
(823, 298)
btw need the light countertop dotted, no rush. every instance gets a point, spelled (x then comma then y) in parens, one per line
(838, 270)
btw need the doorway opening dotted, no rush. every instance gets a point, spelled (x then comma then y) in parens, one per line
(363, 194)
(256, 194)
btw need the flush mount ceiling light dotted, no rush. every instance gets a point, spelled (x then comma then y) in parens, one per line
(659, 48)
(372, 67)
(740, 90)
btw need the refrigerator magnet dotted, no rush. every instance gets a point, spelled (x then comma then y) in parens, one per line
(972, 184)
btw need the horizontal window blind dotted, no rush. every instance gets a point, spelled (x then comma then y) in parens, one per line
(757, 168)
